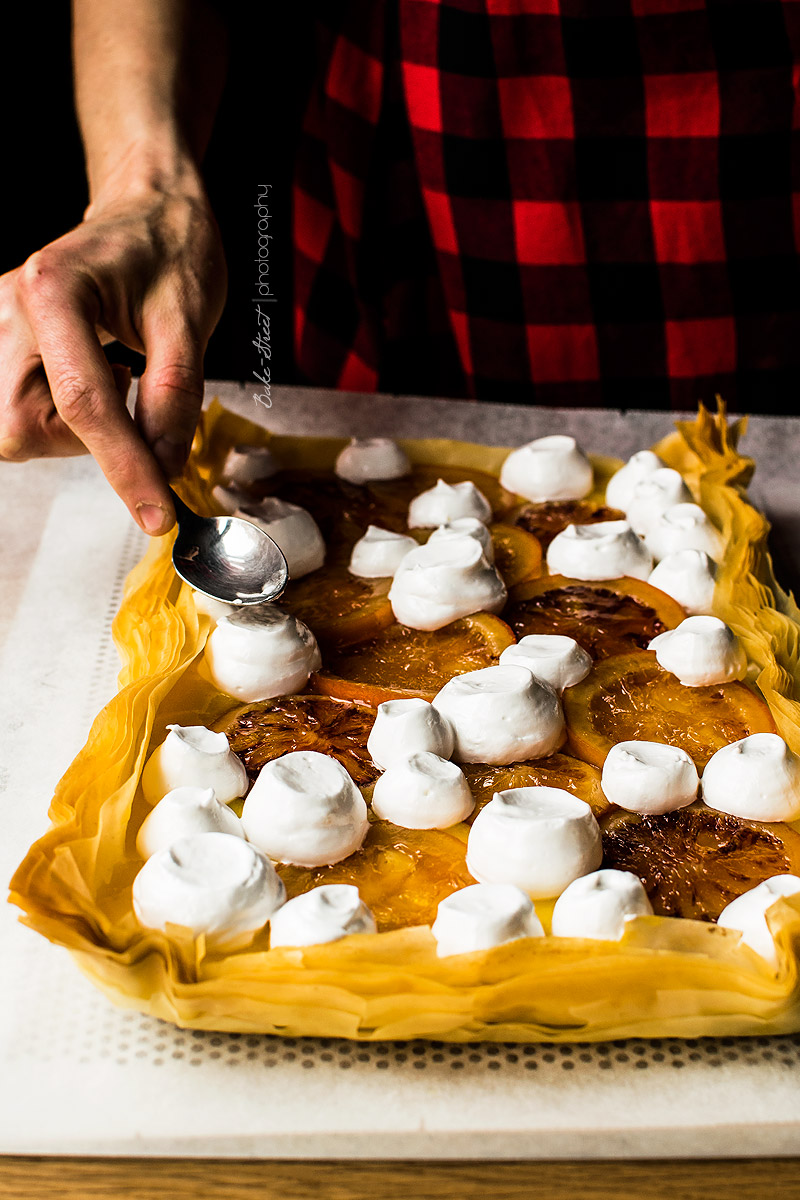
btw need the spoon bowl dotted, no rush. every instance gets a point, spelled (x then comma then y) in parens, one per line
(227, 558)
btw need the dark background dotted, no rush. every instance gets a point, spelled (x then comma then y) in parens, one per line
(45, 186)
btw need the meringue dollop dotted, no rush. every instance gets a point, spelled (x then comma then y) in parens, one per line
(600, 905)
(538, 838)
(195, 757)
(756, 778)
(551, 657)
(260, 652)
(208, 883)
(466, 527)
(501, 714)
(482, 916)
(622, 483)
(689, 577)
(649, 777)
(605, 550)
(378, 554)
(305, 809)
(443, 580)
(423, 792)
(548, 468)
(324, 914)
(684, 527)
(245, 465)
(748, 914)
(408, 726)
(448, 502)
(701, 651)
(367, 459)
(653, 495)
(292, 528)
(184, 811)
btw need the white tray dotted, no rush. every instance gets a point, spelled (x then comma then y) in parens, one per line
(81, 1077)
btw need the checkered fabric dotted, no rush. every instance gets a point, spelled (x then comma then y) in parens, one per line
(553, 201)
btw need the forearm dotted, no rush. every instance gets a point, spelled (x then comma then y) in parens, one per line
(148, 78)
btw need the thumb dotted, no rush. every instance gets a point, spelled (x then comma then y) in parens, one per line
(170, 390)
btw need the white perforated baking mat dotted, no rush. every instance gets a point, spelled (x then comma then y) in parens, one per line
(79, 1076)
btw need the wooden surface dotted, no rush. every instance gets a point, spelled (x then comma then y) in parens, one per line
(189, 1179)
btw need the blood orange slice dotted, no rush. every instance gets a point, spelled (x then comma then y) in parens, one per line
(400, 661)
(695, 861)
(401, 874)
(559, 770)
(517, 554)
(609, 617)
(338, 607)
(266, 730)
(550, 517)
(630, 697)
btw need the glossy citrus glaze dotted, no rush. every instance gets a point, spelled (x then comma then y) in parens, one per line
(631, 697)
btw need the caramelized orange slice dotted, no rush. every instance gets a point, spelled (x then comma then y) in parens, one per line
(631, 697)
(401, 874)
(550, 517)
(517, 554)
(411, 662)
(559, 770)
(266, 730)
(695, 861)
(338, 607)
(609, 617)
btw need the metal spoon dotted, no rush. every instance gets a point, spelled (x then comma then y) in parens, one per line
(227, 558)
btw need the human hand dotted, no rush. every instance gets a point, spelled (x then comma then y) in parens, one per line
(147, 270)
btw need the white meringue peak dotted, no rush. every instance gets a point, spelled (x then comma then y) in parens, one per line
(448, 502)
(443, 580)
(756, 778)
(689, 577)
(324, 914)
(482, 916)
(700, 652)
(538, 838)
(622, 483)
(409, 725)
(548, 468)
(305, 809)
(209, 883)
(501, 714)
(649, 777)
(260, 652)
(466, 527)
(551, 657)
(423, 792)
(184, 811)
(684, 527)
(245, 465)
(292, 528)
(600, 905)
(196, 757)
(367, 460)
(748, 914)
(379, 552)
(604, 550)
(653, 495)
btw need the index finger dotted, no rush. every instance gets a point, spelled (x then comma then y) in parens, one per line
(86, 397)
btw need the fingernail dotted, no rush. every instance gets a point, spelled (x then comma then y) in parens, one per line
(171, 456)
(12, 449)
(153, 518)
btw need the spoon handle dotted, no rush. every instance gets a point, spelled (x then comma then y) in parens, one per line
(182, 511)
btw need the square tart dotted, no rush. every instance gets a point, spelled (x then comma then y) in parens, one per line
(667, 976)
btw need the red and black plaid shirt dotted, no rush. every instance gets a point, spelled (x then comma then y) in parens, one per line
(553, 201)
